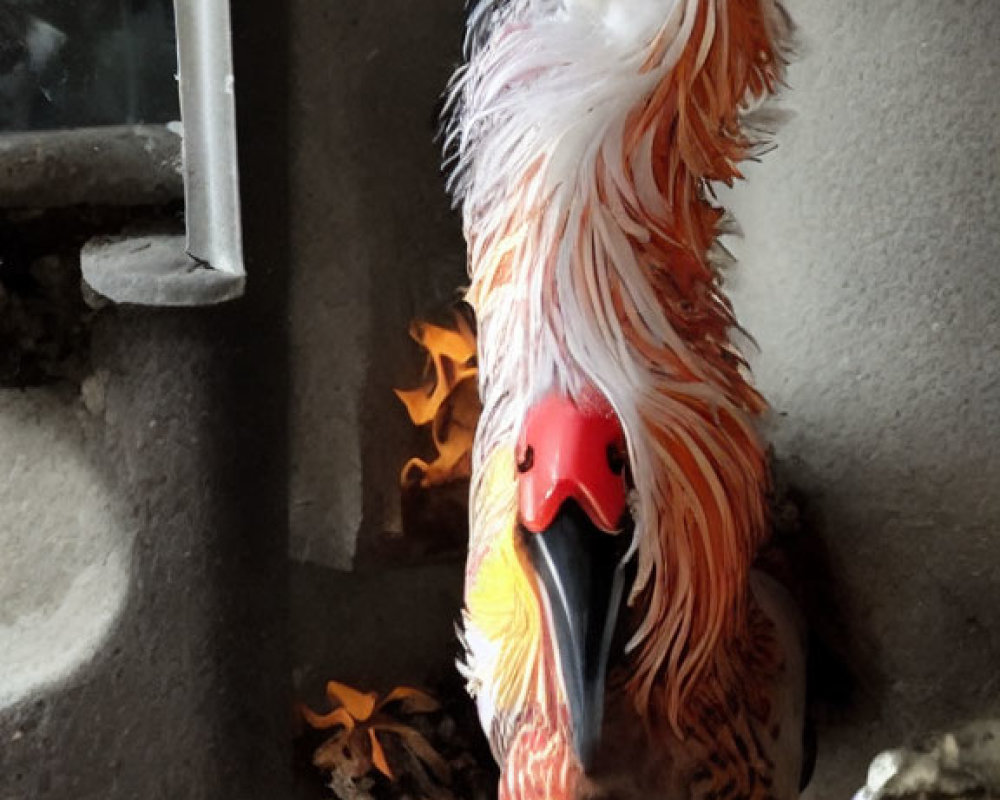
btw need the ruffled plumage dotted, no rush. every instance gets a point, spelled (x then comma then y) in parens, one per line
(585, 137)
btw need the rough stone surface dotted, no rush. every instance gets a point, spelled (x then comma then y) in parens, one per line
(960, 765)
(163, 473)
(173, 668)
(44, 321)
(64, 575)
(128, 165)
(870, 281)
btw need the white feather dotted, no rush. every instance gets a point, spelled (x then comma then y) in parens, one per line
(547, 95)
(554, 204)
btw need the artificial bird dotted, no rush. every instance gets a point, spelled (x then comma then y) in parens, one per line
(616, 639)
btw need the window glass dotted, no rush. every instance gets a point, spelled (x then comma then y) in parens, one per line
(79, 63)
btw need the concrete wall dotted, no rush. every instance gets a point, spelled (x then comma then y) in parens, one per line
(375, 246)
(148, 493)
(143, 616)
(143, 587)
(870, 279)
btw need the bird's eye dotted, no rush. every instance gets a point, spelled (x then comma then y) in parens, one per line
(616, 459)
(527, 460)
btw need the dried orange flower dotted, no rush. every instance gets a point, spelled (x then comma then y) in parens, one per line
(448, 402)
(358, 719)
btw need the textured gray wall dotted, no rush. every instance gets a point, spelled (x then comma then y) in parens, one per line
(375, 246)
(181, 689)
(144, 619)
(143, 584)
(870, 279)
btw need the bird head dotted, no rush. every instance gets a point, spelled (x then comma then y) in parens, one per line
(573, 517)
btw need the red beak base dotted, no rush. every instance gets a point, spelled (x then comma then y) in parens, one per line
(572, 450)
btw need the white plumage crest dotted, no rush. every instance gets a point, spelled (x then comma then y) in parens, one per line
(542, 118)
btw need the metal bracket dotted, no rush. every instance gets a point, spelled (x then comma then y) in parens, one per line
(208, 111)
(207, 266)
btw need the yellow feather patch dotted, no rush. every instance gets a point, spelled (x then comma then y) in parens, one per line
(500, 595)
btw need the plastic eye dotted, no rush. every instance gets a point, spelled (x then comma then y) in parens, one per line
(616, 459)
(528, 460)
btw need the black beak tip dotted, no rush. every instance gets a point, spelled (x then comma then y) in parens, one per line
(585, 745)
(580, 571)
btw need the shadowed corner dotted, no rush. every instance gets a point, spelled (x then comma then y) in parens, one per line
(250, 454)
(842, 683)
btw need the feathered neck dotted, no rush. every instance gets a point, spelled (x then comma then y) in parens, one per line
(586, 137)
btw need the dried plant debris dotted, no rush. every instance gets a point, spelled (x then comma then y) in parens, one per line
(448, 401)
(959, 765)
(404, 746)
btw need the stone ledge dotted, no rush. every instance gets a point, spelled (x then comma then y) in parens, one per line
(154, 270)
